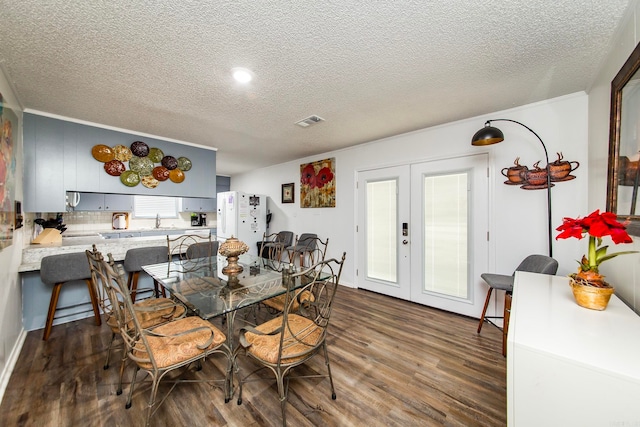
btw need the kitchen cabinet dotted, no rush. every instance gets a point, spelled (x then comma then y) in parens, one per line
(44, 165)
(223, 184)
(194, 204)
(57, 159)
(562, 358)
(118, 202)
(121, 235)
(105, 202)
(171, 232)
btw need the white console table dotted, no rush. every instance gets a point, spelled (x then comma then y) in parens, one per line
(568, 365)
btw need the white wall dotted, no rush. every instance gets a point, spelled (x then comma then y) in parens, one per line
(518, 217)
(622, 272)
(11, 331)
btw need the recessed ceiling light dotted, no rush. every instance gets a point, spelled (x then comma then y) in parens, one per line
(242, 75)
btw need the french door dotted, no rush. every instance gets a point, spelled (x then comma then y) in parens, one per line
(422, 232)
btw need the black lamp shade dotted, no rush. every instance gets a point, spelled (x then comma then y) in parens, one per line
(487, 135)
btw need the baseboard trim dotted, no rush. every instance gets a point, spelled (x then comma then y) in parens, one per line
(11, 362)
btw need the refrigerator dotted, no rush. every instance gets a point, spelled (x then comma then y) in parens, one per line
(241, 215)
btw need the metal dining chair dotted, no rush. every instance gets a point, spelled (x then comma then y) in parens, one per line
(300, 333)
(166, 348)
(309, 248)
(273, 246)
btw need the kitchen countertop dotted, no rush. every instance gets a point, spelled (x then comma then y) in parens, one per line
(76, 242)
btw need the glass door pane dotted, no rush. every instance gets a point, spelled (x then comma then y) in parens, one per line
(446, 215)
(381, 229)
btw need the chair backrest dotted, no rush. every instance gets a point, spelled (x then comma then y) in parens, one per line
(272, 247)
(98, 278)
(135, 342)
(191, 260)
(311, 249)
(306, 241)
(538, 264)
(307, 311)
(178, 245)
(285, 238)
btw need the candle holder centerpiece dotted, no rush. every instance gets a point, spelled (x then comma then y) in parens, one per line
(232, 248)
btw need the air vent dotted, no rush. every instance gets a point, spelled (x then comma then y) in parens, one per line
(311, 120)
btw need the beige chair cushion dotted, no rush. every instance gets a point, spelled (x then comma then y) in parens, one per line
(164, 311)
(266, 347)
(277, 303)
(174, 349)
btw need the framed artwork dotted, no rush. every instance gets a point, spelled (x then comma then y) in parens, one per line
(318, 184)
(8, 121)
(288, 192)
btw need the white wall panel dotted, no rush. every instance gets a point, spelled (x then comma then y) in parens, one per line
(518, 217)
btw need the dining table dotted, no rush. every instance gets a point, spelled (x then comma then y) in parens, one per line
(208, 293)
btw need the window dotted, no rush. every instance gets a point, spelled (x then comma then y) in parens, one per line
(151, 206)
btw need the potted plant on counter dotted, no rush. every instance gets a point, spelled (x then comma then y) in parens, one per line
(589, 287)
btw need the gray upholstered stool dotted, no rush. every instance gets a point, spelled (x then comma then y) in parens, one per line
(134, 259)
(202, 250)
(58, 269)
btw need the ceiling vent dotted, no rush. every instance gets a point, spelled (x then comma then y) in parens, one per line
(311, 120)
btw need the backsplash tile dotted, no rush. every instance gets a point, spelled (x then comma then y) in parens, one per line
(77, 222)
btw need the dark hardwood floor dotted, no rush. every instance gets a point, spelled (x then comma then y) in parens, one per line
(394, 363)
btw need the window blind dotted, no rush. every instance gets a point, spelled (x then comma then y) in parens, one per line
(151, 206)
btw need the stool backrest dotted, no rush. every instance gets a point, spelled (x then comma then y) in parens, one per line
(538, 264)
(64, 268)
(135, 258)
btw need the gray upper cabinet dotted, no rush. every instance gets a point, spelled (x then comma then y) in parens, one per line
(58, 159)
(223, 183)
(105, 202)
(44, 166)
(118, 202)
(90, 202)
(196, 204)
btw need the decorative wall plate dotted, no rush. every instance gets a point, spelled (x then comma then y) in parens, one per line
(142, 165)
(176, 175)
(102, 153)
(184, 164)
(122, 153)
(169, 162)
(114, 167)
(155, 154)
(130, 178)
(149, 181)
(160, 173)
(140, 149)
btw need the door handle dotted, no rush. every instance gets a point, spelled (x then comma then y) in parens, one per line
(404, 242)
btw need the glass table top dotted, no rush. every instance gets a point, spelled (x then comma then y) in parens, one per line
(204, 289)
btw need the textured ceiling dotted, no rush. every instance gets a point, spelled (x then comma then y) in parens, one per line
(370, 69)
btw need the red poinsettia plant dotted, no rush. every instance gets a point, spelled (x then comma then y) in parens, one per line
(596, 225)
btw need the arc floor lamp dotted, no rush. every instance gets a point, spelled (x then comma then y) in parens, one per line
(491, 135)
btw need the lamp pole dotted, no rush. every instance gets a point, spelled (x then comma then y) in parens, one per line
(546, 156)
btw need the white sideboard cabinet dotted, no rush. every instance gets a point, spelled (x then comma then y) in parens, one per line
(568, 365)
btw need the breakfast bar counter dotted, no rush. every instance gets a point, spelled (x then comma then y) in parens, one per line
(33, 254)
(74, 302)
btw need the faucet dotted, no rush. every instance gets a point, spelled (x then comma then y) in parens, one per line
(158, 221)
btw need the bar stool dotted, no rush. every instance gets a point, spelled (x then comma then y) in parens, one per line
(134, 259)
(58, 269)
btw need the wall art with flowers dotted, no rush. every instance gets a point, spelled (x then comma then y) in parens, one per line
(8, 122)
(318, 184)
